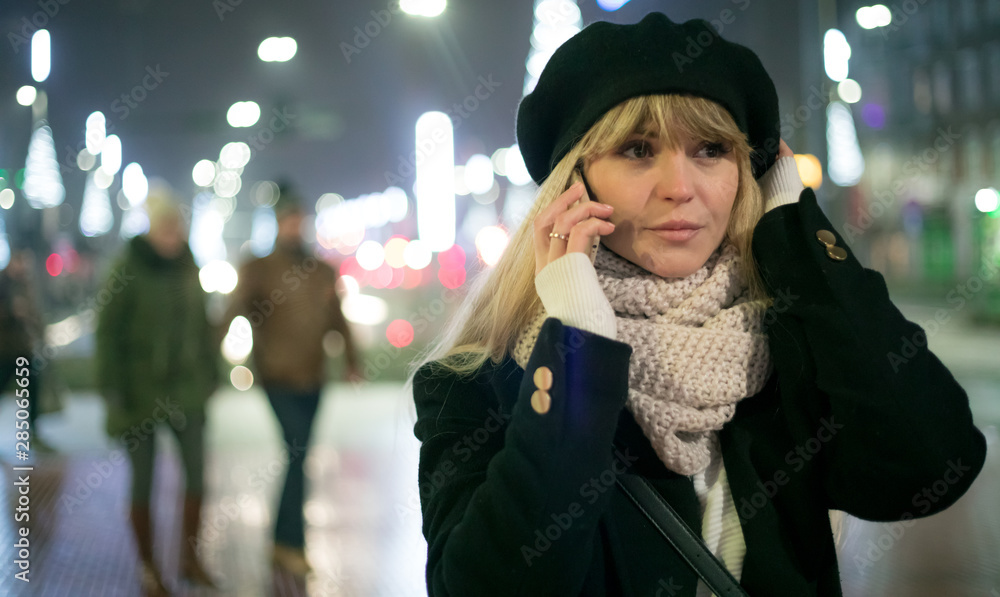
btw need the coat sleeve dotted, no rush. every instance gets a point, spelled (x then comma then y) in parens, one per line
(111, 335)
(511, 501)
(899, 439)
(209, 336)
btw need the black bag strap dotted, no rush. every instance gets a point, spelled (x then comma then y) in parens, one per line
(680, 536)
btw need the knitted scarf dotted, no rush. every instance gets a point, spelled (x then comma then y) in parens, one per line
(697, 350)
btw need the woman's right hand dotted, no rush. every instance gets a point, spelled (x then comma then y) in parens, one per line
(580, 223)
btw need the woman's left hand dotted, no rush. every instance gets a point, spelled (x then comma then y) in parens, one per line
(784, 151)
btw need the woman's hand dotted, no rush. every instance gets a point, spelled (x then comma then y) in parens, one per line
(580, 224)
(784, 151)
(781, 184)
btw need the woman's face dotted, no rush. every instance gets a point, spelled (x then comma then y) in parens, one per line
(167, 237)
(671, 206)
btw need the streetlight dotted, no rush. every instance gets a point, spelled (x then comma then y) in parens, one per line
(26, 95)
(243, 114)
(871, 17)
(423, 8)
(41, 53)
(277, 49)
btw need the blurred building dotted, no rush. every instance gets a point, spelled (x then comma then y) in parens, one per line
(928, 124)
(906, 141)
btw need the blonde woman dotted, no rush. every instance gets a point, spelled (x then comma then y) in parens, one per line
(675, 309)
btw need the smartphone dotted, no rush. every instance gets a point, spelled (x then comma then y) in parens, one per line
(576, 177)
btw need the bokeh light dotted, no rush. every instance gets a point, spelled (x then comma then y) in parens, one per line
(423, 8)
(41, 55)
(417, 255)
(987, 200)
(399, 332)
(277, 49)
(873, 115)
(218, 276)
(111, 154)
(810, 170)
(95, 132)
(227, 184)
(836, 54)
(26, 95)
(203, 173)
(451, 277)
(478, 174)
(54, 264)
(370, 255)
(491, 242)
(517, 171)
(364, 309)
(241, 378)
(395, 250)
(870, 17)
(238, 343)
(243, 114)
(453, 257)
(85, 160)
(134, 184)
(849, 90)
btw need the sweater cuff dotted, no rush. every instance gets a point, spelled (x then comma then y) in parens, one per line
(781, 184)
(571, 292)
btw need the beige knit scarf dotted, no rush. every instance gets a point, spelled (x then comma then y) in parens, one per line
(698, 349)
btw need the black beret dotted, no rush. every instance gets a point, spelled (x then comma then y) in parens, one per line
(606, 64)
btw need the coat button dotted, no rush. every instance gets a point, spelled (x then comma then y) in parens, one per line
(543, 378)
(541, 401)
(826, 237)
(836, 253)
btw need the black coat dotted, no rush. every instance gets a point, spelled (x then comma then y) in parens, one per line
(859, 416)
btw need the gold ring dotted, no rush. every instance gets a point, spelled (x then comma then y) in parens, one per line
(559, 236)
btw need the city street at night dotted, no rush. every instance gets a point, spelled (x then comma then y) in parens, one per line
(267, 268)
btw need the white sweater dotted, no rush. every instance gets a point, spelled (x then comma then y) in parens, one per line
(570, 292)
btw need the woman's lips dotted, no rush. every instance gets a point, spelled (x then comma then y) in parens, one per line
(679, 235)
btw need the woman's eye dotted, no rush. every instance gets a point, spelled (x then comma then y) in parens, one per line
(637, 150)
(713, 150)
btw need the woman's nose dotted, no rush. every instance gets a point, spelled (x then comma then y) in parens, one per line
(673, 177)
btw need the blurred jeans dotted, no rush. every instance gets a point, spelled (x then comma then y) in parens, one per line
(295, 410)
(189, 429)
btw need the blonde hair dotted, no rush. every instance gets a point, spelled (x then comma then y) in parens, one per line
(162, 206)
(503, 301)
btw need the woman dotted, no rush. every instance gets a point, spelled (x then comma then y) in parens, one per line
(156, 364)
(725, 346)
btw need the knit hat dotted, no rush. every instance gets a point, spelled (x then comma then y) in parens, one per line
(606, 64)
